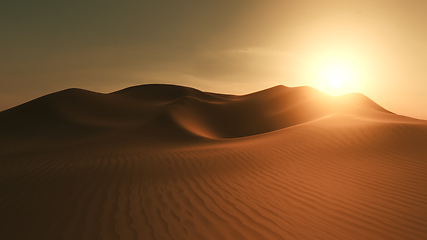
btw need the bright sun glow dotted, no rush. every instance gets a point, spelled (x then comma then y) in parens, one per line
(336, 71)
(336, 78)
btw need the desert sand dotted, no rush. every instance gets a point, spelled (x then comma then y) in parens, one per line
(172, 162)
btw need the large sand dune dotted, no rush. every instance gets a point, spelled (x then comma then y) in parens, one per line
(171, 162)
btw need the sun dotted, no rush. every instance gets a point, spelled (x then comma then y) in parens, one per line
(336, 72)
(336, 78)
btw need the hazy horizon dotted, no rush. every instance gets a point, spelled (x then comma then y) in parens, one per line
(233, 48)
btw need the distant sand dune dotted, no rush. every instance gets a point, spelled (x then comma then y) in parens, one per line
(171, 162)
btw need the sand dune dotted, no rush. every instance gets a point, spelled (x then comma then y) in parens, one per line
(171, 162)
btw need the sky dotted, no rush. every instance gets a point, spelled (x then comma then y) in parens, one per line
(233, 46)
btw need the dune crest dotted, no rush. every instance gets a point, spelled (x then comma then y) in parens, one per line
(171, 162)
(201, 113)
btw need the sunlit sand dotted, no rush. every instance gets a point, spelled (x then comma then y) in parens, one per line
(172, 162)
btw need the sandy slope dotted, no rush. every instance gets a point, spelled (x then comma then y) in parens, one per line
(169, 162)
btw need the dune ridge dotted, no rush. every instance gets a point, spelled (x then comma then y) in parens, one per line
(199, 113)
(171, 162)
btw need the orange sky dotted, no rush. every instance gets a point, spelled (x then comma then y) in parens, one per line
(223, 46)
